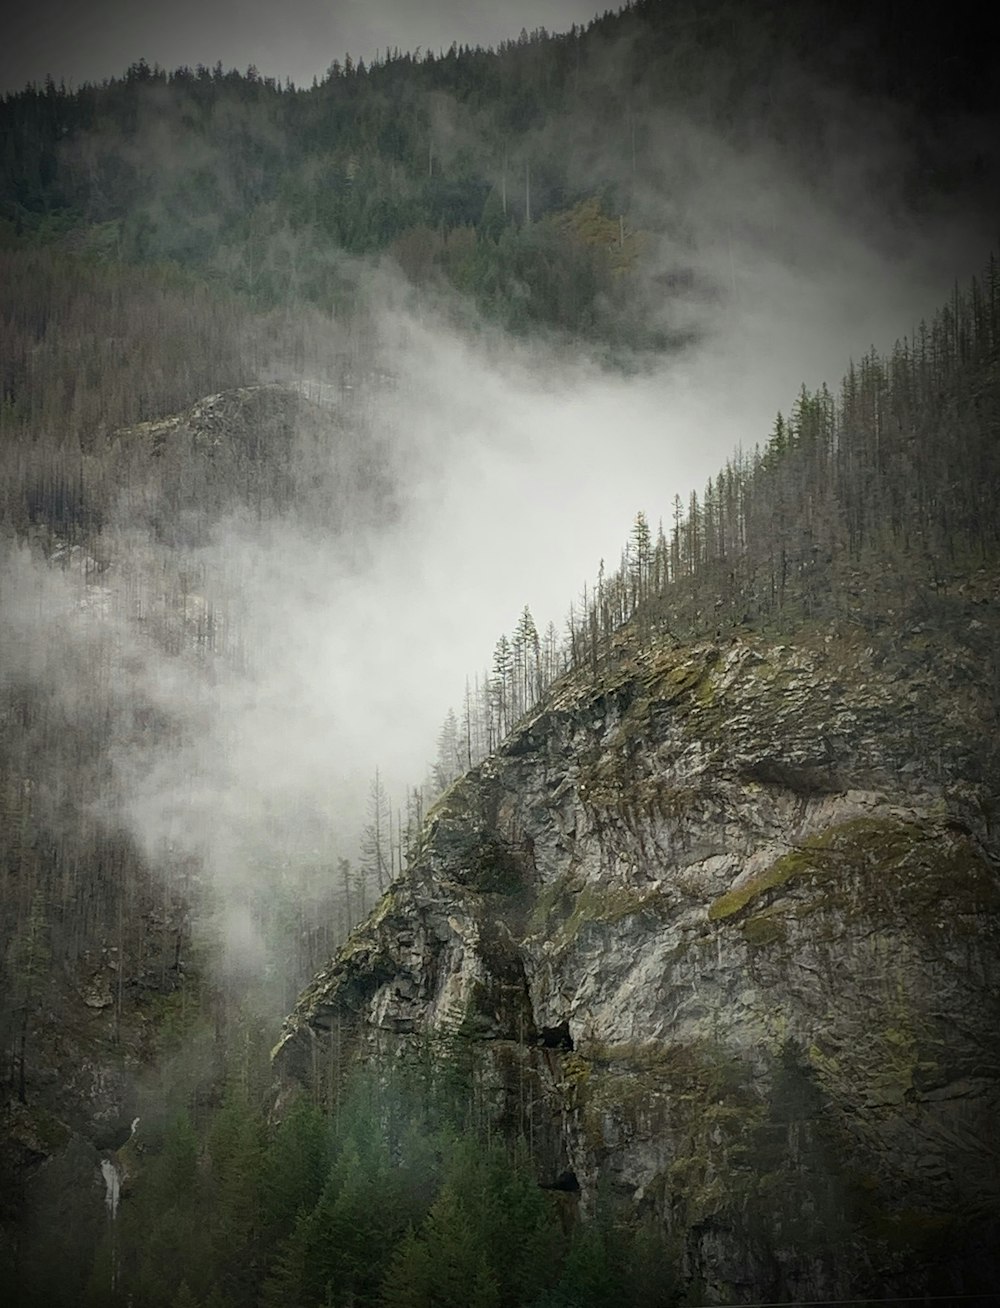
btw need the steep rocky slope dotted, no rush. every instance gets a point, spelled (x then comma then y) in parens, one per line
(719, 927)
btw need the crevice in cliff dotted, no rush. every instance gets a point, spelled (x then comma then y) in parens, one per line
(565, 1182)
(556, 1037)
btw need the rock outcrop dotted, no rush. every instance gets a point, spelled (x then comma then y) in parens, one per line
(720, 926)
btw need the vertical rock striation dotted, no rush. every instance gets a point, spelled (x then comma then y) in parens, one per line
(720, 927)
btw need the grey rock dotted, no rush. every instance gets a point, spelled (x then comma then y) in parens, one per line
(757, 890)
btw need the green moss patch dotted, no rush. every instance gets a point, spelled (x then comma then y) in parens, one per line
(796, 863)
(764, 929)
(563, 909)
(693, 1093)
(907, 869)
(670, 681)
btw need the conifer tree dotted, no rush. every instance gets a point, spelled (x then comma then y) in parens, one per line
(501, 687)
(640, 558)
(236, 1156)
(376, 840)
(528, 659)
(448, 764)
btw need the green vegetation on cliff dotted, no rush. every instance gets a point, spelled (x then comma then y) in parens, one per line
(169, 243)
(393, 1200)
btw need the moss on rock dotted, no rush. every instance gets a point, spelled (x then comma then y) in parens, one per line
(764, 929)
(566, 907)
(907, 869)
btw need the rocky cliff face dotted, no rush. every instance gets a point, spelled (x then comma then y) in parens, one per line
(720, 929)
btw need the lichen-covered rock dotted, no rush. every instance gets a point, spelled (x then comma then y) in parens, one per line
(721, 928)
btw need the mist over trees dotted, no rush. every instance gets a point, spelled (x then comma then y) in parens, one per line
(172, 236)
(191, 358)
(555, 183)
(865, 507)
(394, 1197)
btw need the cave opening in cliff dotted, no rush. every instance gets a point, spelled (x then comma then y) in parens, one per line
(556, 1037)
(565, 1182)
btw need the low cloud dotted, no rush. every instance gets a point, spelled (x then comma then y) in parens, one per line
(513, 468)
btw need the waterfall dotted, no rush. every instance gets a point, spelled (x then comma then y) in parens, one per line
(112, 1186)
(112, 1191)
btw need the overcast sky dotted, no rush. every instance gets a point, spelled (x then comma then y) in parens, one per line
(297, 38)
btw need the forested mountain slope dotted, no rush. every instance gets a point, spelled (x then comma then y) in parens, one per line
(685, 989)
(710, 933)
(866, 508)
(561, 183)
(119, 464)
(715, 926)
(720, 947)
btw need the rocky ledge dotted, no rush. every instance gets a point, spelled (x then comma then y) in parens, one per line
(719, 929)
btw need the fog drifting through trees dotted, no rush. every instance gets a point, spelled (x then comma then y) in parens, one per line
(503, 469)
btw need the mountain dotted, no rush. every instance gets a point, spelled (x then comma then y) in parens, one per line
(713, 929)
(107, 967)
(708, 929)
(721, 944)
(673, 980)
(567, 185)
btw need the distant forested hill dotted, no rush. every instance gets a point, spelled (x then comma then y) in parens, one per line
(550, 181)
(189, 336)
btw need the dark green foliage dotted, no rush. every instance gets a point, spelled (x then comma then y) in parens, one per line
(295, 1164)
(607, 1263)
(367, 1204)
(446, 1266)
(263, 185)
(395, 1201)
(236, 1161)
(164, 1230)
(589, 1277)
(176, 1174)
(490, 1227)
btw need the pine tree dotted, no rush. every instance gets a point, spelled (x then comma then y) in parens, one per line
(501, 687)
(184, 1298)
(469, 737)
(345, 878)
(448, 764)
(640, 560)
(446, 1267)
(527, 660)
(295, 1166)
(236, 1155)
(376, 840)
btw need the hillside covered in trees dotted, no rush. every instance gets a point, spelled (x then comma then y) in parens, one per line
(555, 182)
(203, 274)
(866, 508)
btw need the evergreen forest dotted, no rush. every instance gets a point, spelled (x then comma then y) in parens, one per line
(194, 269)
